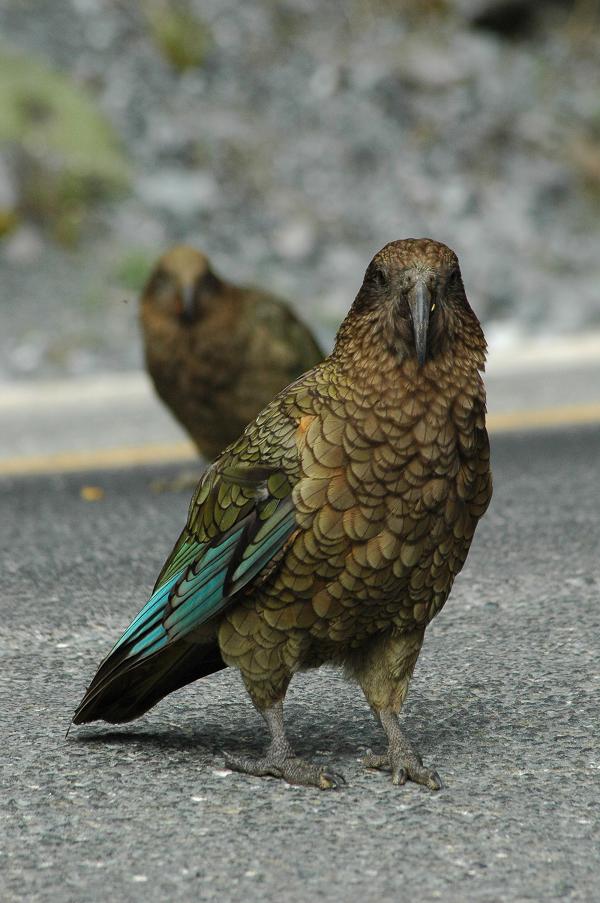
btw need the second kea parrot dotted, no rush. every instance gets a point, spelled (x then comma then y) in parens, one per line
(217, 352)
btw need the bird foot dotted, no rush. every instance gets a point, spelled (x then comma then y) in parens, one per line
(404, 768)
(288, 767)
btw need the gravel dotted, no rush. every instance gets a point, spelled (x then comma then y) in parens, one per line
(306, 140)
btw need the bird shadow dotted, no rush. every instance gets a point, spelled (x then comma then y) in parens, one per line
(433, 723)
(210, 740)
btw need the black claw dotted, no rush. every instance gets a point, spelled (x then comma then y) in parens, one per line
(400, 778)
(331, 780)
(338, 777)
(435, 782)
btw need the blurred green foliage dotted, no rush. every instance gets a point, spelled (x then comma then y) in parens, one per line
(134, 268)
(182, 38)
(9, 220)
(63, 152)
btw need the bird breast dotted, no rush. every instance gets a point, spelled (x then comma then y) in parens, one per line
(383, 507)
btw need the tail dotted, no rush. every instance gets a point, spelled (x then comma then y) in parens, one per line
(127, 693)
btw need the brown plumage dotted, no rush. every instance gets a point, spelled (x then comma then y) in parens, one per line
(217, 353)
(333, 529)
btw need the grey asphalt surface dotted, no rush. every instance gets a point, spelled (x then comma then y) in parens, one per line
(504, 703)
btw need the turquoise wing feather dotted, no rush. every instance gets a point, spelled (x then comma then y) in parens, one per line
(206, 569)
(201, 589)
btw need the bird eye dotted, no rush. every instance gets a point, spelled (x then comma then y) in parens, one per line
(432, 308)
(208, 284)
(378, 276)
(160, 283)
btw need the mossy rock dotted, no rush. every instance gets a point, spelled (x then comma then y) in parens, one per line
(65, 154)
(182, 38)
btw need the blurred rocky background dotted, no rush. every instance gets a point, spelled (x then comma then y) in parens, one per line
(290, 139)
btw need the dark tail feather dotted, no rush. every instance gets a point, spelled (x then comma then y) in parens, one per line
(131, 691)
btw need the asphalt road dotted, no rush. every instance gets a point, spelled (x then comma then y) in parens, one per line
(504, 703)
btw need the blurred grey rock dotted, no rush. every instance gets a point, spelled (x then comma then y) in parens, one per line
(178, 191)
(326, 80)
(146, 226)
(8, 189)
(24, 247)
(294, 240)
(26, 357)
(430, 63)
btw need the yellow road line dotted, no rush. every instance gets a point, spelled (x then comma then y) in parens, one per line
(566, 415)
(101, 459)
(171, 453)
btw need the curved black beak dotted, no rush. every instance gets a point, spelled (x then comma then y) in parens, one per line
(188, 303)
(419, 302)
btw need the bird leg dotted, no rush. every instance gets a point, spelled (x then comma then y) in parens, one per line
(384, 671)
(280, 761)
(401, 758)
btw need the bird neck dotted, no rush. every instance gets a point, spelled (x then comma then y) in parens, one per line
(368, 349)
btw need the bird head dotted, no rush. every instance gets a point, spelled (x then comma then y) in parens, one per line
(182, 285)
(413, 297)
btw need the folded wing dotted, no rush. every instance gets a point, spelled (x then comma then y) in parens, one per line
(240, 520)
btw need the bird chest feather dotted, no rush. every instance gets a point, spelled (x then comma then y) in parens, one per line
(387, 479)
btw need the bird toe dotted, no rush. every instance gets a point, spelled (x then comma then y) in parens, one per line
(258, 767)
(331, 780)
(434, 781)
(375, 760)
(427, 777)
(404, 768)
(289, 768)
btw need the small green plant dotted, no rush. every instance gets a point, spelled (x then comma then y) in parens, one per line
(182, 38)
(9, 221)
(133, 269)
(65, 156)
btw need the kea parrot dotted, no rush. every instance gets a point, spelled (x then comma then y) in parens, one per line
(332, 530)
(217, 353)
